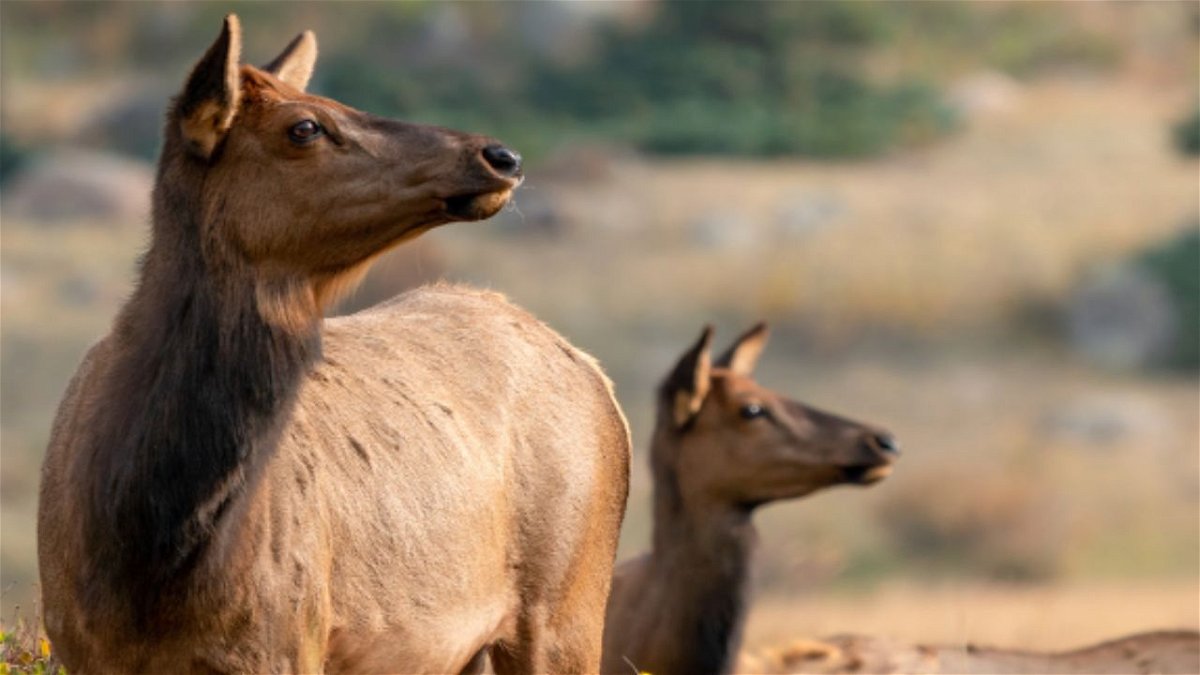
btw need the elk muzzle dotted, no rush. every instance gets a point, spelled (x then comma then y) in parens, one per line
(499, 169)
(502, 160)
(878, 450)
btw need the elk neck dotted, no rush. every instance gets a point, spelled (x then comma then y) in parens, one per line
(701, 560)
(193, 392)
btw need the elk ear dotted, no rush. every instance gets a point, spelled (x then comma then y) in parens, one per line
(295, 64)
(687, 385)
(206, 108)
(742, 357)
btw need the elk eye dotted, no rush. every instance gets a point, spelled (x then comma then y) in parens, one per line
(752, 410)
(303, 132)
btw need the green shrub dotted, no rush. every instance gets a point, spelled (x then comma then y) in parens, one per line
(26, 651)
(745, 79)
(13, 158)
(1186, 134)
(1176, 264)
(759, 79)
(1026, 39)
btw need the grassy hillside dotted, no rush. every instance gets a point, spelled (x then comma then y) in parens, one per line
(924, 290)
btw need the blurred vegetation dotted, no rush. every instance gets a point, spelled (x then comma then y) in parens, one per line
(1186, 134)
(759, 79)
(1000, 529)
(1176, 265)
(721, 78)
(13, 158)
(764, 79)
(24, 650)
(1025, 44)
(817, 79)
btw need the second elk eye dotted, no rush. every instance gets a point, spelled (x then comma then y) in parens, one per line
(305, 131)
(752, 410)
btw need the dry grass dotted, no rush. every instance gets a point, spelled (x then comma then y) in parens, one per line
(24, 649)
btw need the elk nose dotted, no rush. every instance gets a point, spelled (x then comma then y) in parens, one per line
(884, 443)
(504, 161)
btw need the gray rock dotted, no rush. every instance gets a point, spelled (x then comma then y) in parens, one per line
(1100, 420)
(72, 185)
(803, 214)
(1121, 318)
(723, 230)
(985, 93)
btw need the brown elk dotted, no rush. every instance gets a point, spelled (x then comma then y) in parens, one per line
(722, 446)
(1164, 651)
(234, 484)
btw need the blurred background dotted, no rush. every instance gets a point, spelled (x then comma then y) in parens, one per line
(975, 224)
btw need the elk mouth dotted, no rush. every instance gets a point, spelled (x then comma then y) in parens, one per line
(477, 205)
(865, 474)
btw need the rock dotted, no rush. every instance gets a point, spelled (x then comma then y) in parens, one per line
(129, 125)
(1098, 421)
(803, 214)
(1122, 318)
(723, 230)
(72, 185)
(985, 93)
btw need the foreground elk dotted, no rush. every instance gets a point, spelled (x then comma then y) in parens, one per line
(234, 485)
(723, 445)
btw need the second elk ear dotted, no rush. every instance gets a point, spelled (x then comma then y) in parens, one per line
(209, 101)
(742, 356)
(295, 63)
(686, 387)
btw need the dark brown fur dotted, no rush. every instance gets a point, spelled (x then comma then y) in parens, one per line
(235, 485)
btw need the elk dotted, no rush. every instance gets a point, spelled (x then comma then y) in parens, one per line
(1162, 651)
(234, 484)
(722, 446)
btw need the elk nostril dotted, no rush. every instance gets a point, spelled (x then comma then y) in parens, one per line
(886, 443)
(504, 161)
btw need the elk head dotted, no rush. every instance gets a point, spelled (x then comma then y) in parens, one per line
(304, 189)
(728, 440)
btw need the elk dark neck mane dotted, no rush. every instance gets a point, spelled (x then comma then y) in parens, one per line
(701, 561)
(194, 387)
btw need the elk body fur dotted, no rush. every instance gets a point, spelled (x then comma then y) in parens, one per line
(722, 446)
(234, 484)
(1151, 652)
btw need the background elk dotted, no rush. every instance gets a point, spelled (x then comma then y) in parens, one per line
(1165, 651)
(722, 446)
(235, 485)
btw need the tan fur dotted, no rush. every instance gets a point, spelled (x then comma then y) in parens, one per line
(288, 303)
(1152, 652)
(409, 487)
(680, 608)
(295, 64)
